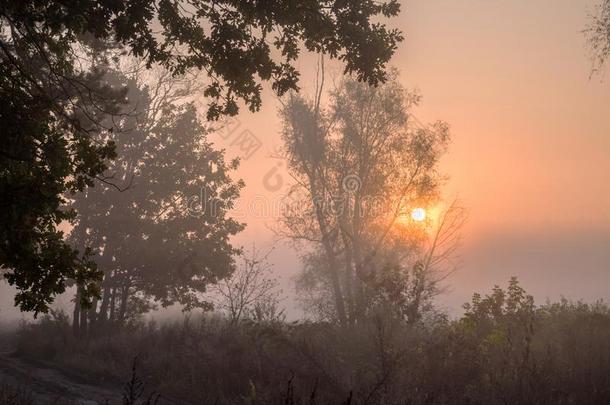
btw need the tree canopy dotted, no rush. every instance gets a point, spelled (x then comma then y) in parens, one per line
(165, 237)
(358, 164)
(53, 100)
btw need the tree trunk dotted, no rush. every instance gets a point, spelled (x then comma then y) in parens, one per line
(76, 314)
(102, 316)
(92, 315)
(83, 323)
(123, 308)
(358, 259)
(339, 303)
(333, 270)
(112, 304)
(349, 280)
(359, 285)
(414, 307)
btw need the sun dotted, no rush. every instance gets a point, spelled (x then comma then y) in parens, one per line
(418, 214)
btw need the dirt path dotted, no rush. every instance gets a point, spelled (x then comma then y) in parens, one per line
(48, 385)
(44, 384)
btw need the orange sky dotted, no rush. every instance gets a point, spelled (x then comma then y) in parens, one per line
(531, 131)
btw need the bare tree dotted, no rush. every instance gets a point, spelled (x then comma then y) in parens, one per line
(251, 291)
(437, 262)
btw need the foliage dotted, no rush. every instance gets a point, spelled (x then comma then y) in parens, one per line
(164, 235)
(359, 164)
(47, 152)
(503, 350)
(229, 40)
(53, 101)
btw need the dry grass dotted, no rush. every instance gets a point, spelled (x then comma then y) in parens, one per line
(557, 353)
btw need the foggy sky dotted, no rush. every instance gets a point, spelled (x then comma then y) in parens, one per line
(529, 151)
(530, 142)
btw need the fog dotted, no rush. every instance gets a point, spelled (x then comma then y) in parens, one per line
(305, 202)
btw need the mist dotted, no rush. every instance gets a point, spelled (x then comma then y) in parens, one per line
(305, 202)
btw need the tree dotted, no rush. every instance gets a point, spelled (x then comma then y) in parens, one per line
(358, 165)
(164, 237)
(406, 287)
(51, 103)
(46, 153)
(502, 327)
(249, 292)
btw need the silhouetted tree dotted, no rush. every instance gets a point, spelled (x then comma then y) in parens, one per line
(358, 164)
(165, 237)
(49, 109)
(251, 291)
(47, 152)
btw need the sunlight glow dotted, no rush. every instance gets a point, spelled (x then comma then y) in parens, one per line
(418, 214)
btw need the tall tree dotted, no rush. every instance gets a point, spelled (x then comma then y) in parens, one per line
(47, 152)
(165, 237)
(359, 164)
(49, 110)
